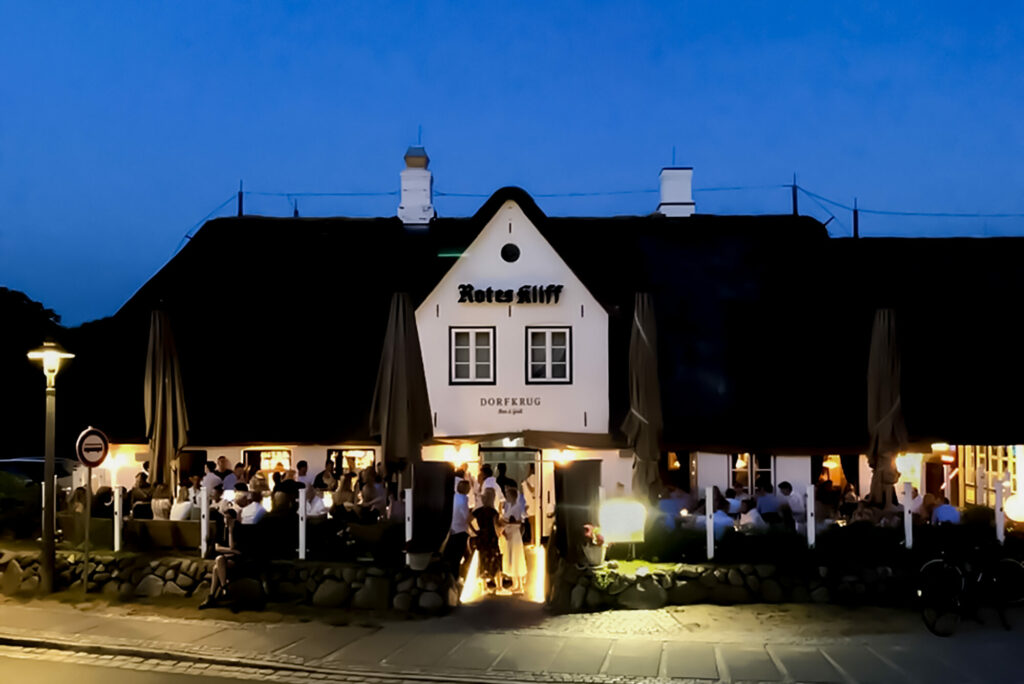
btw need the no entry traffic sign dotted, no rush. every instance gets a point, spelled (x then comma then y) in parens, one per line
(92, 447)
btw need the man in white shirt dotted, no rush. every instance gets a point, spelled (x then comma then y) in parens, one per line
(490, 482)
(915, 501)
(303, 475)
(794, 500)
(750, 519)
(458, 534)
(250, 510)
(314, 502)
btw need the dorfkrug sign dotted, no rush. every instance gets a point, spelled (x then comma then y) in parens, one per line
(524, 294)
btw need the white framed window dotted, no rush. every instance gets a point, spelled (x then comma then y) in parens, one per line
(471, 356)
(548, 355)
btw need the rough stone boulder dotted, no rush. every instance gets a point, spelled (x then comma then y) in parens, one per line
(687, 592)
(150, 586)
(431, 602)
(646, 594)
(246, 593)
(11, 582)
(375, 594)
(331, 594)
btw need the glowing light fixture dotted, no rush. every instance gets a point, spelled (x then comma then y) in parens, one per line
(540, 570)
(741, 461)
(623, 520)
(940, 446)
(1014, 507)
(51, 354)
(471, 590)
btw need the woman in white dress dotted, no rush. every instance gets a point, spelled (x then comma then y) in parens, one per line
(513, 562)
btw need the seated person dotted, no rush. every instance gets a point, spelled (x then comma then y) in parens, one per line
(313, 501)
(945, 513)
(141, 491)
(228, 556)
(250, 510)
(162, 502)
(750, 519)
(182, 508)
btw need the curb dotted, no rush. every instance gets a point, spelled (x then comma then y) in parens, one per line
(56, 644)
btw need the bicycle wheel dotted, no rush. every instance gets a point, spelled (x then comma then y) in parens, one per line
(939, 589)
(1006, 578)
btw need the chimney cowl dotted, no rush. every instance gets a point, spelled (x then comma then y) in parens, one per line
(677, 191)
(416, 206)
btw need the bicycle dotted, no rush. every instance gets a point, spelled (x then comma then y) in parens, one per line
(948, 591)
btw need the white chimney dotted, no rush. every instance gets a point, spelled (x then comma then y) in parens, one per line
(677, 191)
(416, 206)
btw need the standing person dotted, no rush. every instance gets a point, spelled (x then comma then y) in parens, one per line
(513, 563)
(325, 479)
(768, 503)
(502, 478)
(794, 500)
(211, 479)
(458, 532)
(234, 477)
(485, 530)
(223, 467)
(488, 481)
(303, 475)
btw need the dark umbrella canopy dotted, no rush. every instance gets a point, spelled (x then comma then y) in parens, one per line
(166, 417)
(400, 413)
(643, 424)
(885, 410)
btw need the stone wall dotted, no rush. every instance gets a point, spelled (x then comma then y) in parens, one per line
(575, 589)
(127, 577)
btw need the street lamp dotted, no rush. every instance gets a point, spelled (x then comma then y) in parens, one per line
(51, 354)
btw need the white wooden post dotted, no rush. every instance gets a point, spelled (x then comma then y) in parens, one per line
(1001, 486)
(408, 520)
(812, 527)
(908, 518)
(709, 519)
(118, 516)
(302, 526)
(204, 520)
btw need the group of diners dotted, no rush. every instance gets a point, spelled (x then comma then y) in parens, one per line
(784, 507)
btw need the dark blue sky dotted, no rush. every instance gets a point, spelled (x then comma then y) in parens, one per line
(123, 124)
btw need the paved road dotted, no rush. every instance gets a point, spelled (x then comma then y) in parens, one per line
(58, 669)
(513, 641)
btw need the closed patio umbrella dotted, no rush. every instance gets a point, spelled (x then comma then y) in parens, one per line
(885, 411)
(400, 413)
(643, 423)
(166, 417)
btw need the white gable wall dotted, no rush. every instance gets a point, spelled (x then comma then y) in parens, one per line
(579, 406)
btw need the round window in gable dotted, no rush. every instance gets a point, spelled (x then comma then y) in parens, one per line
(510, 252)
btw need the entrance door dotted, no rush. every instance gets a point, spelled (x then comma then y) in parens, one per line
(520, 463)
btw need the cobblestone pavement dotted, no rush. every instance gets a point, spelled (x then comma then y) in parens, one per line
(517, 642)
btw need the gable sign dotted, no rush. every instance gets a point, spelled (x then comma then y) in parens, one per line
(526, 294)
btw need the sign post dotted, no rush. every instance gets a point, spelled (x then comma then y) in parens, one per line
(92, 448)
(709, 520)
(908, 518)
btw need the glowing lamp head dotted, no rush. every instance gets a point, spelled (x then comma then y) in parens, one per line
(1014, 507)
(51, 354)
(623, 520)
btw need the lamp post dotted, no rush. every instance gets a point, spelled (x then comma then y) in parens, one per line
(51, 354)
